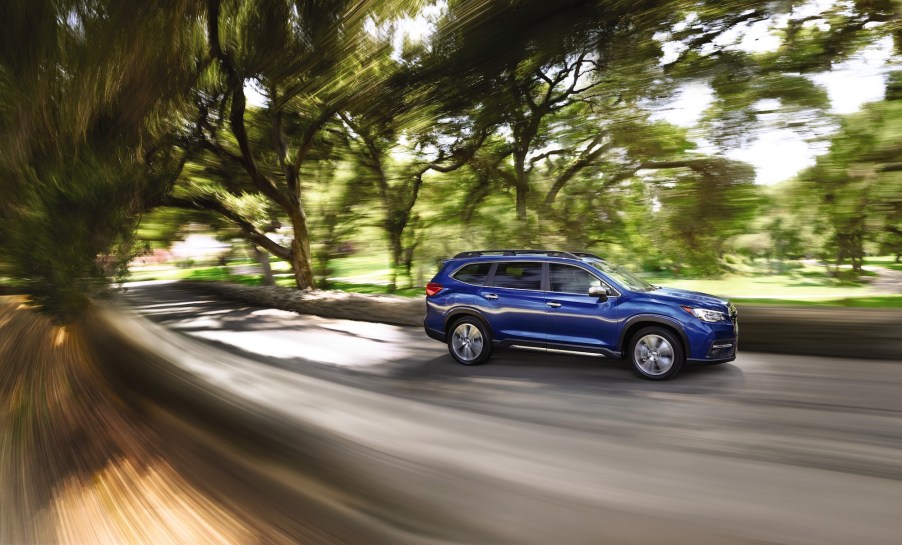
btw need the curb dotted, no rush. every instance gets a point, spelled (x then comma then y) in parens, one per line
(836, 332)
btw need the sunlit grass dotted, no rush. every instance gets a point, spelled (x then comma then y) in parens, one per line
(370, 268)
(377, 289)
(875, 301)
(773, 286)
(884, 261)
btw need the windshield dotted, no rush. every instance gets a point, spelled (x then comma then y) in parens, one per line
(622, 276)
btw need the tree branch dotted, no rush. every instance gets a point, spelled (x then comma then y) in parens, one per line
(251, 232)
(586, 158)
(236, 114)
(310, 134)
(546, 155)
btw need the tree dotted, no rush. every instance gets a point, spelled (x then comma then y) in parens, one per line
(310, 60)
(398, 171)
(857, 185)
(92, 99)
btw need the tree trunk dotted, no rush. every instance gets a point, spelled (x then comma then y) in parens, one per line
(262, 257)
(522, 192)
(522, 185)
(408, 263)
(301, 264)
(397, 253)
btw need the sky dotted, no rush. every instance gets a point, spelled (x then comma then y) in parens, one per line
(778, 153)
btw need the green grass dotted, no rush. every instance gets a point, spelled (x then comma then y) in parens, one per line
(373, 268)
(222, 274)
(766, 287)
(884, 261)
(376, 289)
(876, 301)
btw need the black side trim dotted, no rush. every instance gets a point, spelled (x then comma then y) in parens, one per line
(507, 343)
(437, 335)
(708, 362)
(654, 318)
(587, 349)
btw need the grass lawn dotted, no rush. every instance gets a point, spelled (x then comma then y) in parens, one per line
(876, 301)
(374, 269)
(778, 286)
(883, 261)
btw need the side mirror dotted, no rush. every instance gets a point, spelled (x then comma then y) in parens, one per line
(600, 292)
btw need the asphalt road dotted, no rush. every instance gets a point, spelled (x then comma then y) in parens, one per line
(389, 438)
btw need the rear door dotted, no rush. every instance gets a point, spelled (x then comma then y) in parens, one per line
(515, 302)
(575, 318)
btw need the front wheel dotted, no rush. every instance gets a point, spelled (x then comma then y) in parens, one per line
(656, 353)
(469, 342)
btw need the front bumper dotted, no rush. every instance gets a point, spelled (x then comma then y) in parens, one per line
(719, 351)
(713, 342)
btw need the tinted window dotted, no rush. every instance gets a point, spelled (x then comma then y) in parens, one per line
(623, 276)
(568, 279)
(474, 273)
(520, 275)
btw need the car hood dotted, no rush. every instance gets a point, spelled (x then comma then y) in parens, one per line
(686, 297)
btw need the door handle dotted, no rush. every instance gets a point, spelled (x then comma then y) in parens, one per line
(491, 296)
(553, 304)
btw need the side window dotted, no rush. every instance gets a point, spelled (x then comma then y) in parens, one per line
(520, 275)
(569, 279)
(474, 273)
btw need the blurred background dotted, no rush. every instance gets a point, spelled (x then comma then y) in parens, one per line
(747, 149)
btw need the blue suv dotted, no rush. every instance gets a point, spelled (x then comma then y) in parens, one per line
(574, 302)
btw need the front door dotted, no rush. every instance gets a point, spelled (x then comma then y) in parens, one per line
(576, 319)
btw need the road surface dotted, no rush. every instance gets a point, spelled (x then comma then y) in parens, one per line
(538, 448)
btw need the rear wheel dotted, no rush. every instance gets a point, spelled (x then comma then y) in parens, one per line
(469, 341)
(656, 353)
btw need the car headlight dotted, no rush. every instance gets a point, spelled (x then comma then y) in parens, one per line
(706, 315)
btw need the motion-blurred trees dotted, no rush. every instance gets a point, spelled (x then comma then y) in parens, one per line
(397, 158)
(90, 96)
(311, 59)
(856, 188)
(111, 107)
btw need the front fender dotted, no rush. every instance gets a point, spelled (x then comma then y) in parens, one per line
(657, 319)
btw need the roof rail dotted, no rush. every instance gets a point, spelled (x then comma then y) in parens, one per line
(586, 254)
(549, 253)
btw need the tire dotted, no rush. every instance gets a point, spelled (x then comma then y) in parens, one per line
(656, 353)
(469, 341)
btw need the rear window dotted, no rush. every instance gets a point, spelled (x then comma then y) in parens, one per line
(474, 273)
(519, 275)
